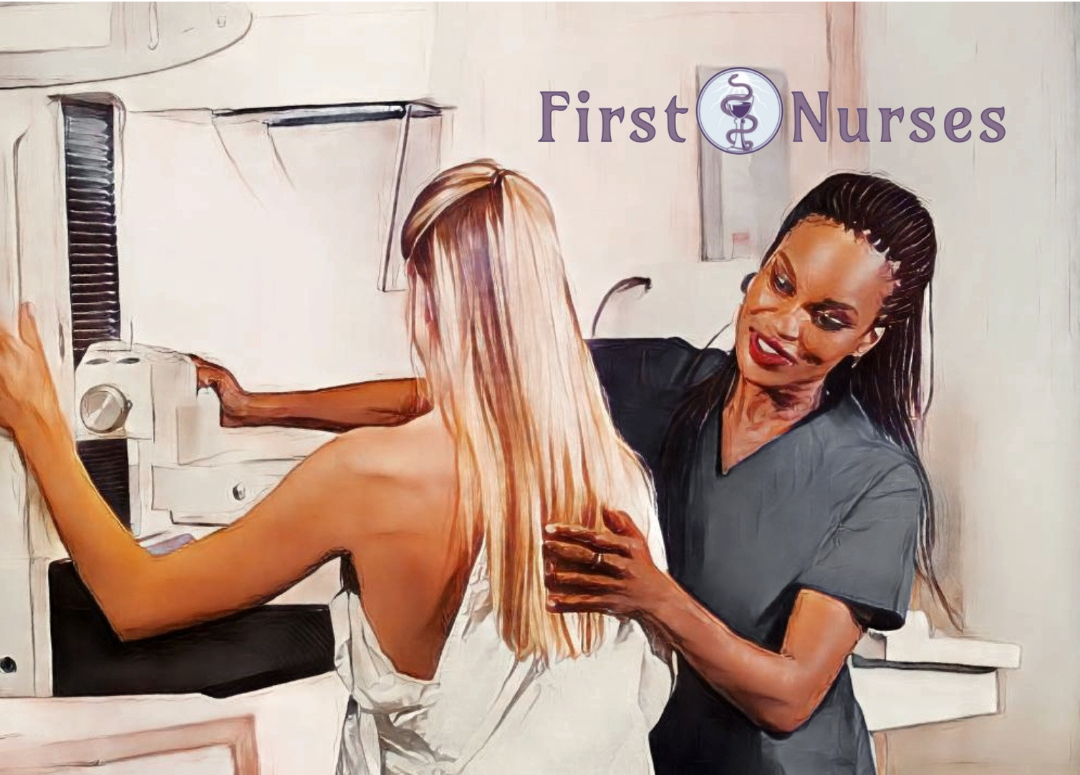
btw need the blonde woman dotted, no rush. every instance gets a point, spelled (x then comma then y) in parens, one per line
(453, 660)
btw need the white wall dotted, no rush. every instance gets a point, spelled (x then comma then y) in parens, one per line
(619, 205)
(1003, 444)
(622, 207)
(262, 248)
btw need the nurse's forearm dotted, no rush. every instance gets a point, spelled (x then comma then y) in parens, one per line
(337, 409)
(777, 691)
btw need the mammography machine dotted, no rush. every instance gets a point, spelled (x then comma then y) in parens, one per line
(186, 471)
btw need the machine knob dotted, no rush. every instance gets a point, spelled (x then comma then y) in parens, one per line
(104, 409)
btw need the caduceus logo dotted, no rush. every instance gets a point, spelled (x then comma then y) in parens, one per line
(738, 107)
(739, 110)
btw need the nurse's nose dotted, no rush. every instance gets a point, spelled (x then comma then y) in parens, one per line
(787, 324)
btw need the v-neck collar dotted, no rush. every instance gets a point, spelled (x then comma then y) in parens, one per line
(829, 399)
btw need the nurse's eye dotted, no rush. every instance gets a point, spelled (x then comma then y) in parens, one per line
(781, 283)
(831, 321)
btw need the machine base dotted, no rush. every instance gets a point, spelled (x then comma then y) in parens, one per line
(253, 650)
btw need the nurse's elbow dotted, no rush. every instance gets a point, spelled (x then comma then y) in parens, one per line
(787, 720)
(784, 719)
(791, 709)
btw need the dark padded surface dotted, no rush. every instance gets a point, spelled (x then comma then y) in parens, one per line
(269, 645)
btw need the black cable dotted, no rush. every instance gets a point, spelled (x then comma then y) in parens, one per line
(623, 285)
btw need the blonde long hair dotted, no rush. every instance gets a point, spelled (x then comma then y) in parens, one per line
(492, 320)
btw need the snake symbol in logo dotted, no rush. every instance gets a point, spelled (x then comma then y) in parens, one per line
(740, 110)
(738, 107)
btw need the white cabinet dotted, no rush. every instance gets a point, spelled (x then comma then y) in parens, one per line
(912, 677)
(215, 760)
(186, 751)
(291, 728)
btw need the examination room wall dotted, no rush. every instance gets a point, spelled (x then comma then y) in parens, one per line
(185, 212)
(621, 206)
(1003, 447)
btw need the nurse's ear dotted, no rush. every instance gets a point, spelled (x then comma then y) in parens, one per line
(869, 339)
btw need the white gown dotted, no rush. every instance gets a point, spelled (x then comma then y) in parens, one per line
(485, 713)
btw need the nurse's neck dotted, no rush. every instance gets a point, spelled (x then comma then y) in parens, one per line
(755, 415)
(786, 404)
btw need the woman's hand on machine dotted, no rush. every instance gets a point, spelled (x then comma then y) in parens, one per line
(27, 393)
(221, 381)
(601, 572)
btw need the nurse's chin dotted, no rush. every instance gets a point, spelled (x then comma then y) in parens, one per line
(769, 378)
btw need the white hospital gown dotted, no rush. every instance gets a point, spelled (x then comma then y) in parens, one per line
(485, 713)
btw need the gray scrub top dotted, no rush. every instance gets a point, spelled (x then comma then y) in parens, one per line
(831, 505)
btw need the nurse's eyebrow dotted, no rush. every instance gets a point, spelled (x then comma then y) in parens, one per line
(837, 305)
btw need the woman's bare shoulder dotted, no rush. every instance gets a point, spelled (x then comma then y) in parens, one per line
(397, 476)
(420, 448)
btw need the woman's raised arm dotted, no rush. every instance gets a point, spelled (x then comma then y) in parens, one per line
(309, 518)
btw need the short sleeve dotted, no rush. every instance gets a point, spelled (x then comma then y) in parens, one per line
(644, 380)
(869, 559)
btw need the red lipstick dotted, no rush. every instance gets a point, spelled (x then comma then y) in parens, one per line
(768, 353)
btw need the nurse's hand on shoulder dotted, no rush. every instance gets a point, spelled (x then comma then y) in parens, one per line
(593, 571)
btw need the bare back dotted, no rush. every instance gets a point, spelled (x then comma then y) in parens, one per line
(411, 568)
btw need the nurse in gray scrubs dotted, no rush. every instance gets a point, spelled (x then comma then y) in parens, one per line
(795, 507)
(794, 504)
